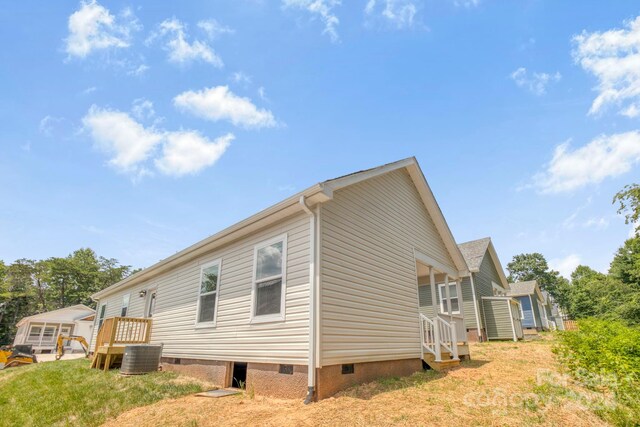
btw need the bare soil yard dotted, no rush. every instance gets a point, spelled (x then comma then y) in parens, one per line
(499, 387)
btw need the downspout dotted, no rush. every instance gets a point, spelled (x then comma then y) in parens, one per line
(475, 306)
(312, 303)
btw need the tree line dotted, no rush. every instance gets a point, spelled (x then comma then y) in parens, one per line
(614, 295)
(29, 287)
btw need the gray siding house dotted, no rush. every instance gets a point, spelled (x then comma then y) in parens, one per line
(532, 305)
(489, 313)
(311, 295)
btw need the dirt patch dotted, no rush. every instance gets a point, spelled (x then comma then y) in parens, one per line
(496, 388)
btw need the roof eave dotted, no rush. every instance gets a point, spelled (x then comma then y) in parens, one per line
(316, 194)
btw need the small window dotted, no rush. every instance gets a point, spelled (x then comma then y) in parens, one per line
(103, 310)
(49, 334)
(269, 279)
(125, 305)
(34, 333)
(209, 280)
(348, 369)
(286, 369)
(453, 294)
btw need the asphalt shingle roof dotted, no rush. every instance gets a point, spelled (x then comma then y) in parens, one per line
(523, 288)
(473, 252)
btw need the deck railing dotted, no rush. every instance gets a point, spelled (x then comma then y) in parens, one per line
(448, 336)
(123, 330)
(458, 321)
(438, 334)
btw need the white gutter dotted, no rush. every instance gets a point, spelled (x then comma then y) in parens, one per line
(312, 302)
(475, 305)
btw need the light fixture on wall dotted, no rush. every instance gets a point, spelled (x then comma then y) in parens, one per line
(142, 293)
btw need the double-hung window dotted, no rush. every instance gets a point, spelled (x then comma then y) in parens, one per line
(269, 281)
(208, 299)
(125, 305)
(453, 298)
(34, 333)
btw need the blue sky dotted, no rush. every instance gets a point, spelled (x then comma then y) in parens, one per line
(137, 128)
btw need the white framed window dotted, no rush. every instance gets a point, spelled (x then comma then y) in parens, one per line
(34, 333)
(269, 280)
(101, 314)
(453, 298)
(208, 293)
(49, 334)
(125, 305)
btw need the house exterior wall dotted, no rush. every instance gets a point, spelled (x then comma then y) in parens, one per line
(368, 295)
(234, 338)
(529, 317)
(497, 319)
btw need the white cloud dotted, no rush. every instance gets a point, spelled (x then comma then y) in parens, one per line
(600, 223)
(467, 3)
(613, 57)
(139, 70)
(93, 27)
(130, 145)
(49, 124)
(242, 78)
(188, 152)
(142, 109)
(127, 141)
(536, 83)
(89, 90)
(604, 157)
(262, 93)
(219, 103)
(213, 28)
(322, 9)
(565, 266)
(399, 14)
(174, 34)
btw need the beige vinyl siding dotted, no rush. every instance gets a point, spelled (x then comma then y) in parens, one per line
(369, 300)
(498, 319)
(233, 338)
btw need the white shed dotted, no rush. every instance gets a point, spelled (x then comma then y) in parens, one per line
(42, 330)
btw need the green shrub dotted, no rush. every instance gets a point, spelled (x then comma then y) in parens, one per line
(604, 355)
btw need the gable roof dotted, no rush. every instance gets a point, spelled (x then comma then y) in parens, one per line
(526, 288)
(475, 251)
(313, 195)
(66, 314)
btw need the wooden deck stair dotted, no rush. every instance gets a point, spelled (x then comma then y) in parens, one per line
(446, 363)
(114, 334)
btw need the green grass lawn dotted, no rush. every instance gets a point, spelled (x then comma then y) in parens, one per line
(68, 393)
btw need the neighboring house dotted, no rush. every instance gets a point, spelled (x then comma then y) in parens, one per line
(488, 312)
(42, 330)
(532, 305)
(327, 278)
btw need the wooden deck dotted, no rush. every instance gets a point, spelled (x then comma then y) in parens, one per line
(114, 334)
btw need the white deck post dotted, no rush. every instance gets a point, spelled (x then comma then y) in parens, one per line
(434, 303)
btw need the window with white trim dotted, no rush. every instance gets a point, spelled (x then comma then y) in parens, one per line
(50, 333)
(103, 310)
(207, 300)
(34, 333)
(269, 279)
(453, 298)
(125, 305)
